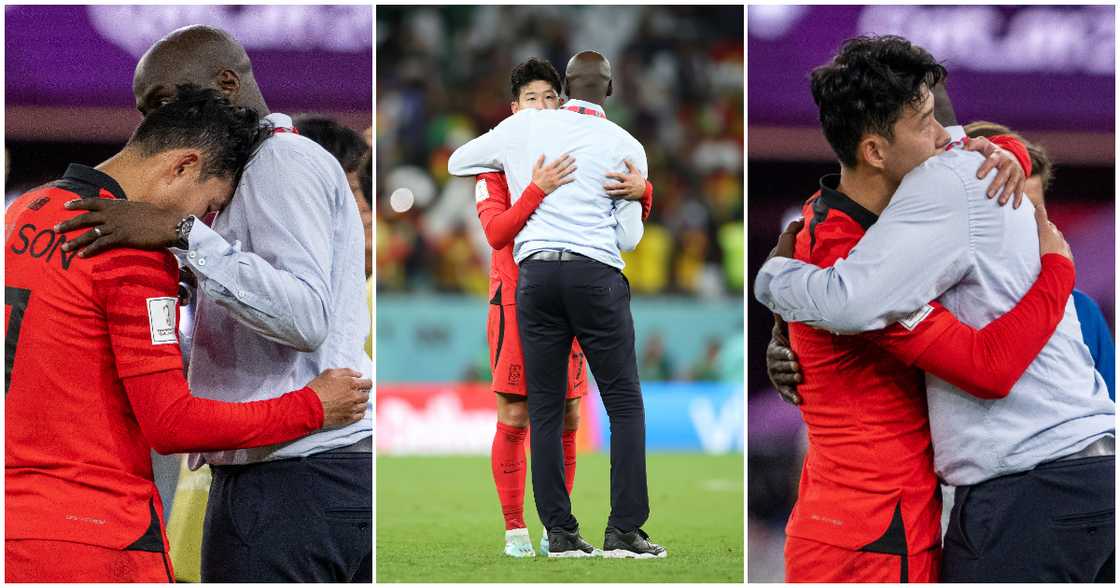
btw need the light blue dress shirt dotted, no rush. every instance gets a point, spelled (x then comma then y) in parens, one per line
(579, 216)
(942, 238)
(281, 289)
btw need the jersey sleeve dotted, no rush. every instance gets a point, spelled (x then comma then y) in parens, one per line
(138, 293)
(984, 362)
(647, 201)
(1017, 148)
(500, 221)
(174, 421)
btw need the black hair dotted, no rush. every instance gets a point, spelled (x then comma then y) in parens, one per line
(530, 71)
(365, 176)
(866, 87)
(344, 143)
(203, 119)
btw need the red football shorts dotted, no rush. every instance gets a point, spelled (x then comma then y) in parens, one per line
(812, 561)
(33, 560)
(507, 368)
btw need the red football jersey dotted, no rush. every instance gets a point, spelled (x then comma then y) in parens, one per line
(870, 452)
(75, 327)
(94, 381)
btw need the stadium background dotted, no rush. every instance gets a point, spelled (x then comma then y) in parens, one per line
(68, 91)
(442, 79)
(1046, 72)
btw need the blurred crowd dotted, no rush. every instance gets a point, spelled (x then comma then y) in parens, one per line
(443, 78)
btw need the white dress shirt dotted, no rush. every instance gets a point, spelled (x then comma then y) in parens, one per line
(941, 237)
(579, 216)
(281, 282)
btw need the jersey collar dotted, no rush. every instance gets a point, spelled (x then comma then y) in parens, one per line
(584, 107)
(96, 178)
(831, 197)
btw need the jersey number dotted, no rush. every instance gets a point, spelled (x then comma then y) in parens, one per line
(17, 299)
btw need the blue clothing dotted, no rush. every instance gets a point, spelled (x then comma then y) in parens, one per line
(1094, 329)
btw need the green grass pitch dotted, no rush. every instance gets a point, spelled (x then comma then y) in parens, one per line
(438, 520)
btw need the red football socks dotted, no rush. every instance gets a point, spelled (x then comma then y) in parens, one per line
(569, 439)
(507, 460)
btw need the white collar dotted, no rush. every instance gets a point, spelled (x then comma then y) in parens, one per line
(279, 121)
(585, 104)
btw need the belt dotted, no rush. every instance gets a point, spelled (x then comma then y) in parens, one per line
(364, 445)
(1100, 447)
(554, 255)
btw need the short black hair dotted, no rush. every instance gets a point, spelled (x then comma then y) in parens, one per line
(866, 87)
(203, 119)
(344, 143)
(530, 71)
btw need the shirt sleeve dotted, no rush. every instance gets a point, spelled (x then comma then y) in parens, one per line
(173, 421)
(501, 222)
(628, 214)
(484, 153)
(984, 362)
(918, 248)
(282, 289)
(138, 293)
(629, 230)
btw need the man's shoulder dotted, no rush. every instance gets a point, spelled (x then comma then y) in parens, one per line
(290, 150)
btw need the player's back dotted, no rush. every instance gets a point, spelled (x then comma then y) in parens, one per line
(869, 441)
(77, 466)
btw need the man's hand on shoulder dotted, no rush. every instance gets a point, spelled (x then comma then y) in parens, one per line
(119, 223)
(628, 186)
(1010, 180)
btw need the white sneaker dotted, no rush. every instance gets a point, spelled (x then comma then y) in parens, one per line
(518, 543)
(544, 543)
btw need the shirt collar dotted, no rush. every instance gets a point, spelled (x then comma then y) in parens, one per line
(831, 197)
(94, 177)
(591, 106)
(279, 121)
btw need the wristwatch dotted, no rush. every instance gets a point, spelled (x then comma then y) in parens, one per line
(183, 232)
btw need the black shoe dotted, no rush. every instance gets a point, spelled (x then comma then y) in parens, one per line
(563, 543)
(633, 544)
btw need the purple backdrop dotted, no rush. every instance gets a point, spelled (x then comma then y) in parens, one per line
(305, 57)
(1036, 67)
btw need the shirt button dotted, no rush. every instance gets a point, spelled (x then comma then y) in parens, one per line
(202, 261)
(192, 254)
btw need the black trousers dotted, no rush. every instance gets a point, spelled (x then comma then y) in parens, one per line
(1051, 524)
(557, 300)
(293, 520)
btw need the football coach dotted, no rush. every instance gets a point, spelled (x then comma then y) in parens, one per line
(571, 284)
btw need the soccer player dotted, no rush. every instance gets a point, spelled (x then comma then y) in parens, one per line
(534, 84)
(280, 277)
(93, 372)
(1034, 471)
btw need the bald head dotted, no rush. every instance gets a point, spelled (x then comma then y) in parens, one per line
(588, 77)
(201, 55)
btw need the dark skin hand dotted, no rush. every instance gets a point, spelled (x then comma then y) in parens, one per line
(123, 224)
(781, 362)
